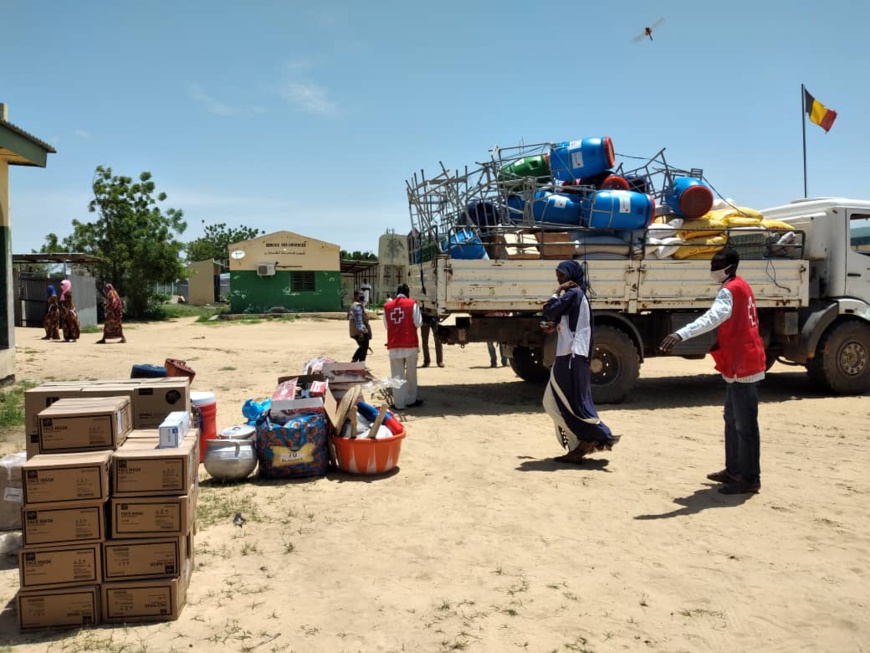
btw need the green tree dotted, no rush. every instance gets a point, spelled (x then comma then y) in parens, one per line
(357, 255)
(216, 241)
(132, 234)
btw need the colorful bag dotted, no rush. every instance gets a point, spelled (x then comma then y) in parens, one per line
(293, 450)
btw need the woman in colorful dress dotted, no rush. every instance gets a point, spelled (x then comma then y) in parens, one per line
(568, 398)
(52, 316)
(69, 319)
(112, 327)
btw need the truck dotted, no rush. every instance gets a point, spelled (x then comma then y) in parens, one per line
(481, 274)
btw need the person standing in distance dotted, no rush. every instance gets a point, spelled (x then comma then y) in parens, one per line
(740, 359)
(402, 318)
(358, 320)
(430, 325)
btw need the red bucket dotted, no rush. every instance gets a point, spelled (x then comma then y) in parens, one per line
(204, 406)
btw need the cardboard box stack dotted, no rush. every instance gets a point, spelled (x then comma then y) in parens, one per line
(81, 563)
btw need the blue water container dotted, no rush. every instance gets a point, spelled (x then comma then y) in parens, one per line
(557, 208)
(618, 209)
(480, 214)
(515, 206)
(466, 244)
(583, 158)
(689, 197)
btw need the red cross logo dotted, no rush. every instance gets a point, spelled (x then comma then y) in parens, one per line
(397, 315)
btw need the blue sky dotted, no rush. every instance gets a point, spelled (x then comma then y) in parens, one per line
(310, 116)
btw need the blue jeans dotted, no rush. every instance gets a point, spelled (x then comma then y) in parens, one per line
(492, 359)
(742, 438)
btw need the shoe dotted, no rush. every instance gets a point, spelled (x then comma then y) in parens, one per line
(574, 457)
(440, 364)
(492, 365)
(425, 365)
(722, 477)
(740, 487)
(419, 402)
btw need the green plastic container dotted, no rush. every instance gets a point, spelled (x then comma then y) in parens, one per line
(536, 167)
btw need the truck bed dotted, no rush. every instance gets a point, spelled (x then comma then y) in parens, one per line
(445, 285)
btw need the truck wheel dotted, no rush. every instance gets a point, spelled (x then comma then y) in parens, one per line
(615, 366)
(527, 364)
(842, 361)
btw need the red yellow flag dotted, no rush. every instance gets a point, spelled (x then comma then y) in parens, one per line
(818, 112)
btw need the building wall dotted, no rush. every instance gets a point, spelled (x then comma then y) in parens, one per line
(201, 282)
(7, 294)
(250, 293)
(287, 251)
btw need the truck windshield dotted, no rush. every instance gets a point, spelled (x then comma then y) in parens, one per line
(859, 233)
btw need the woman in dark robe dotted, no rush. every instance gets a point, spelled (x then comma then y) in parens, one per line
(69, 319)
(568, 398)
(112, 327)
(52, 316)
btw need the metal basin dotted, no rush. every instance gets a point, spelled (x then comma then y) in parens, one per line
(230, 460)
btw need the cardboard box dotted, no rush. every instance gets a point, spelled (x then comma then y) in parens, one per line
(145, 600)
(328, 401)
(58, 608)
(66, 477)
(154, 399)
(38, 399)
(132, 517)
(174, 429)
(162, 557)
(84, 424)
(63, 523)
(556, 244)
(141, 468)
(11, 492)
(519, 246)
(60, 565)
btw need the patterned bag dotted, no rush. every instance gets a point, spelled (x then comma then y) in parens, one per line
(293, 450)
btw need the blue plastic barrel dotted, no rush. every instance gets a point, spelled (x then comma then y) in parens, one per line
(689, 197)
(584, 158)
(146, 371)
(618, 209)
(515, 206)
(480, 213)
(558, 208)
(466, 244)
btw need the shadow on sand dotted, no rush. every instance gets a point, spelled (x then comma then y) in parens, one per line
(702, 499)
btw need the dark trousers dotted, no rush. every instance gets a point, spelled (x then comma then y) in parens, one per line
(439, 347)
(359, 356)
(742, 438)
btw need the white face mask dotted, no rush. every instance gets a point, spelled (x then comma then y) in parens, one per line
(719, 275)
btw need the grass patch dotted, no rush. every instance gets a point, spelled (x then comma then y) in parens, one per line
(220, 504)
(91, 329)
(12, 405)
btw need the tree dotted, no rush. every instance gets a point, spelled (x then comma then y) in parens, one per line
(132, 234)
(357, 255)
(215, 244)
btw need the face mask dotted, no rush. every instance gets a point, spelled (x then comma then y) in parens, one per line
(719, 275)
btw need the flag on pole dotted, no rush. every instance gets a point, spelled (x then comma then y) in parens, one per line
(818, 112)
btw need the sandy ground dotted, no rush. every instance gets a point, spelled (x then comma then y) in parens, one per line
(480, 542)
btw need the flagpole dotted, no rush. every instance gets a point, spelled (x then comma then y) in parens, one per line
(804, 130)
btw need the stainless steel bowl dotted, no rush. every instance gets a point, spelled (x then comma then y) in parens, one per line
(230, 460)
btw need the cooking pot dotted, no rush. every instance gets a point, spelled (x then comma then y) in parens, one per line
(230, 460)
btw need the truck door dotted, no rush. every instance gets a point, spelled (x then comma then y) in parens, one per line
(858, 256)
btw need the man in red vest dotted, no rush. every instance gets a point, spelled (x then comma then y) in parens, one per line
(740, 359)
(402, 318)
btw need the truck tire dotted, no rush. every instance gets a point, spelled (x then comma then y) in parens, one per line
(528, 364)
(842, 361)
(615, 365)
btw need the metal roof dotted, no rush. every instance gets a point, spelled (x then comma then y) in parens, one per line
(61, 257)
(22, 148)
(349, 266)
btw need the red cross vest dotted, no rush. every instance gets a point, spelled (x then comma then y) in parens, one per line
(740, 351)
(401, 332)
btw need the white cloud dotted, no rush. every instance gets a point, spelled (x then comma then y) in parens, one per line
(82, 133)
(211, 104)
(310, 98)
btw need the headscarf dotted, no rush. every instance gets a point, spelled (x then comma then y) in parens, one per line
(65, 286)
(574, 271)
(50, 291)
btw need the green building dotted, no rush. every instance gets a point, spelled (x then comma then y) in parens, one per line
(285, 270)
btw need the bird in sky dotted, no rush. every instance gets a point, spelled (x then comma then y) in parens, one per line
(647, 31)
